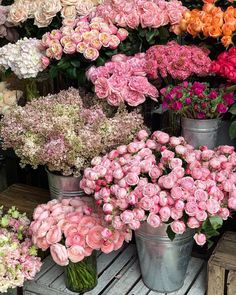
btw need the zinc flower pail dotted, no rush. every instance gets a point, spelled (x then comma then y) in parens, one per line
(163, 262)
(200, 132)
(64, 186)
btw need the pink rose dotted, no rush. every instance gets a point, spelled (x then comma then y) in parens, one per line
(180, 149)
(179, 172)
(167, 155)
(213, 206)
(174, 141)
(179, 205)
(76, 253)
(134, 224)
(175, 162)
(133, 98)
(94, 237)
(163, 199)
(176, 192)
(146, 203)
(191, 208)
(232, 203)
(153, 220)
(122, 34)
(59, 254)
(54, 235)
(139, 214)
(132, 19)
(155, 172)
(164, 213)
(115, 98)
(127, 216)
(161, 137)
(117, 223)
(193, 223)
(200, 239)
(102, 87)
(176, 214)
(178, 227)
(201, 215)
(168, 181)
(196, 173)
(132, 179)
(149, 190)
(108, 208)
(74, 238)
(200, 195)
(187, 183)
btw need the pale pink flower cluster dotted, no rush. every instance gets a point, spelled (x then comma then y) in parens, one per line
(6, 28)
(23, 57)
(43, 11)
(123, 79)
(162, 179)
(71, 230)
(82, 36)
(177, 61)
(60, 132)
(18, 261)
(147, 13)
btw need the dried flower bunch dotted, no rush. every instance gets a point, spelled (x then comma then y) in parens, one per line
(59, 132)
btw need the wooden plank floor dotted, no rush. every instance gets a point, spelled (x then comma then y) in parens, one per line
(119, 274)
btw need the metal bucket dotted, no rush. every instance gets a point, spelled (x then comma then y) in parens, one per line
(163, 262)
(64, 186)
(200, 132)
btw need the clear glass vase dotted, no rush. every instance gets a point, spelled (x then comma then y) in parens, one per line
(81, 277)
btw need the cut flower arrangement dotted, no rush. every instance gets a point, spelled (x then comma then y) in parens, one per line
(72, 231)
(161, 179)
(18, 255)
(58, 131)
(197, 100)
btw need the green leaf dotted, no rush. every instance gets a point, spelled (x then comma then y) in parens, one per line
(232, 130)
(111, 52)
(209, 230)
(53, 72)
(72, 73)
(150, 35)
(216, 221)
(231, 88)
(75, 63)
(170, 233)
(100, 61)
(232, 110)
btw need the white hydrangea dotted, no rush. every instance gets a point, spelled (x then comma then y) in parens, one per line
(23, 57)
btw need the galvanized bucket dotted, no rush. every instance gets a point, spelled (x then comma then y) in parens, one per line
(200, 132)
(163, 262)
(64, 186)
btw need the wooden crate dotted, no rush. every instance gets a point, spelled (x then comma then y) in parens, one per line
(222, 267)
(118, 274)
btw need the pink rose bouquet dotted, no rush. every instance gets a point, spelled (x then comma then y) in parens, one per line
(123, 79)
(18, 255)
(72, 231)
(82, 36)
(197, 100)
(161, 179)
(225, 65)
(147, 14)
(177, 61)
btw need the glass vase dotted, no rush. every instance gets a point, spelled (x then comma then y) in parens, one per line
(81, 277)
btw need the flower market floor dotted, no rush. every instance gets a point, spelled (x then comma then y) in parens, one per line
(119, 274)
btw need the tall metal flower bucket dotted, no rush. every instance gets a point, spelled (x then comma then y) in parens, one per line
(163, 262)
(200, 132)
(64, 186)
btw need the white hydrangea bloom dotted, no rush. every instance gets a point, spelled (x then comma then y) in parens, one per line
(23, 57)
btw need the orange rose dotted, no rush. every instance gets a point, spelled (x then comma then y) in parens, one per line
(215, 32)
(217, 21)
(208, 7)
(226, 40)
(183, 25)
(227, 29)
(187, 15)
(207, 19)
(229, 12)
(217, 12)
(194, 28)
(206, 30)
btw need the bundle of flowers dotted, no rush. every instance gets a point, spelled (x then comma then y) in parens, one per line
(147, 14)
(18, 258)
(43, 11)
(23, 57)
(161, 179)
(197, 100)
(225, 65)
(8, 98)
(59, 132)
(6, 28)
(72, 230)
(82, 36)
(211, 21)
(177, 61)
(123, 79)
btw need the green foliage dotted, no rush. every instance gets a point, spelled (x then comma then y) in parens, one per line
(210, 228)
(232, 128)
(170, 233)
